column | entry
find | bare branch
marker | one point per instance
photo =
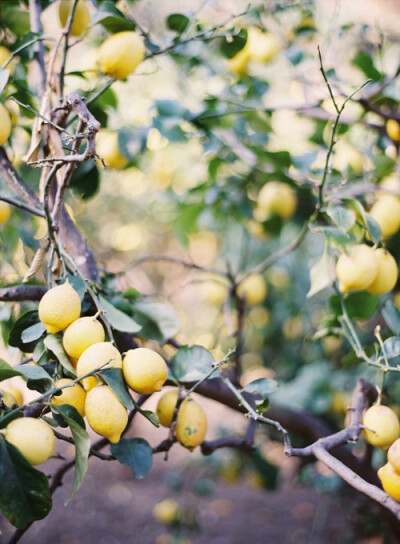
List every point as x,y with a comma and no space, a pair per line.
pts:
35,12
22,206
22,292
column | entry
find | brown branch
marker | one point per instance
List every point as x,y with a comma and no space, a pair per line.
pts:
22,292
22,206
35,12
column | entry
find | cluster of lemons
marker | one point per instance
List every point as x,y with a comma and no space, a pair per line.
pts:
144,372
382,429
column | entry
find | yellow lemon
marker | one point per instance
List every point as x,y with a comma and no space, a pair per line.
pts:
33,437
386,212
382,426
276,198
358,269
11,396
59,307
106,415
166,406
5,54
145,371
5,124
261,46
74,395
166,511
238,63
253,289
214,292
108,149
390,481
81,334
5,211
393,129
81,19
393,455
191,424
95,356
13,110
121,54
386,277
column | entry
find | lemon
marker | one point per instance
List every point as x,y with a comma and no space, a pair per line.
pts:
393,455
276,198
191,424
238,63
121,54
214,292
253,289
386,212
166,406
5,54
261,46
33,437
13,110
393,130
382,426
81,334
96,356
358,269
5,211
390,481
386,277
59,307
5,124
166,511
108,149
81,18
106,415
145,371
74,395
11,396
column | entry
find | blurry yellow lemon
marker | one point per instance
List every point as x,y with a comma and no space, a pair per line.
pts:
81,334
108,149
5,211
13,110
121,54
74,395
390,481
95,356
261,46
386,277
106,415
214,292
81,19
5,54
393,129
253,289
393,455
276,198
145,371
11,396
5,124
166,511
386,211
166,406
358,269
382,426
33,437
191,424
59,307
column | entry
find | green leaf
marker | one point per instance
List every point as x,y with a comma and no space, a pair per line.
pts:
392,347
82,443
159,320
32,333
372,226
85,181
115,379
15,20
177,22
392,317
336,237
234,43
78,284
24,491
117,319
321,274
151,416
191,363
112,18
359,304
24,322
132,142
37,378
7,371
53,342
136,453
342,217
364,62
262,387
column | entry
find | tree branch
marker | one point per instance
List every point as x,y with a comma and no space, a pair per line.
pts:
22,292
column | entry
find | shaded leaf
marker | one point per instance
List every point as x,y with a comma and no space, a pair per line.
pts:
53,342
320,274
117,319
109,16
136,453
37,378
115,379
342,217
177,22
392,317
232,44
191,363
32,333
262,387
159,320
392,347
24,322
7,371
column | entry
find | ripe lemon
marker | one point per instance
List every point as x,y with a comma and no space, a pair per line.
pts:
11,396
74,395
145,371
59,307
386,277
166,511
253,289
214,292
33,437
107,148
5,124
121,54
386,211
276,198
106,415
262,47
382,426
81,19
393,130
358,269
191,424
81,334
5,54
13,110
5,210
390,481
166,406
394,455
96,356
238,64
